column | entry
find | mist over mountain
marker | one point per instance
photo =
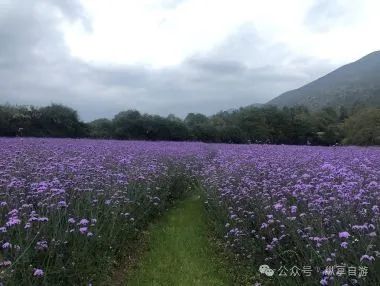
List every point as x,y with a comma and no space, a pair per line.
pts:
354,83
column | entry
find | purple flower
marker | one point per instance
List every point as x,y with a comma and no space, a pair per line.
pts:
41,245
7,245
366,257
83,230
38,273
62,204
324,281
13,221
344,234
344,244
83,221
264,225
277,206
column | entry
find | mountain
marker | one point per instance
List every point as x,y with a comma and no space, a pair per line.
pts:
354,83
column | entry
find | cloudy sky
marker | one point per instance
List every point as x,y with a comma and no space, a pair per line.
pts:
174,56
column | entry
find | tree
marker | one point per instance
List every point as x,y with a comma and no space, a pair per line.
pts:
101,128
58,120
6,115
363,128
128,125
232,134
267,124
196,119
253,123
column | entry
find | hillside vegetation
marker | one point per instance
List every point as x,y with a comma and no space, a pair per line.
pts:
350,85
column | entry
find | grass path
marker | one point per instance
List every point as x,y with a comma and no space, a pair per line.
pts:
179,251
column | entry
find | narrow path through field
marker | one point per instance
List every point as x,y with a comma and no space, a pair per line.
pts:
179,251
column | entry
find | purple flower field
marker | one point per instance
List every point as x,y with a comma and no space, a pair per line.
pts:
295,208
70,208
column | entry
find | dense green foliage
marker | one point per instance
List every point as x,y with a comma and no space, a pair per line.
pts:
50,121
268,124
363,127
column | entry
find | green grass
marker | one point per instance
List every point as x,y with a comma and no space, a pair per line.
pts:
179,251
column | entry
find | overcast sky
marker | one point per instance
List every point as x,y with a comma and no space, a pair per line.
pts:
174,56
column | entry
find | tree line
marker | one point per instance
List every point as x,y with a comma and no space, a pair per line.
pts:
267,124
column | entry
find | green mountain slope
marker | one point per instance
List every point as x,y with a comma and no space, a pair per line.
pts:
357,82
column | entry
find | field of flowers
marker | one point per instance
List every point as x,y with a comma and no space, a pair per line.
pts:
310,213
71,209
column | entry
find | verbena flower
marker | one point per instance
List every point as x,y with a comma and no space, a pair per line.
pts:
366,257
344,244
38,273
83,221
344,234
6,245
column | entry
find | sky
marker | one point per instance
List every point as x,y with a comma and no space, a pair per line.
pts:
174,56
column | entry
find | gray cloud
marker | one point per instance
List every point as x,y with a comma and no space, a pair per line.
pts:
214,66
70,9
36,68
321,13
326,14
